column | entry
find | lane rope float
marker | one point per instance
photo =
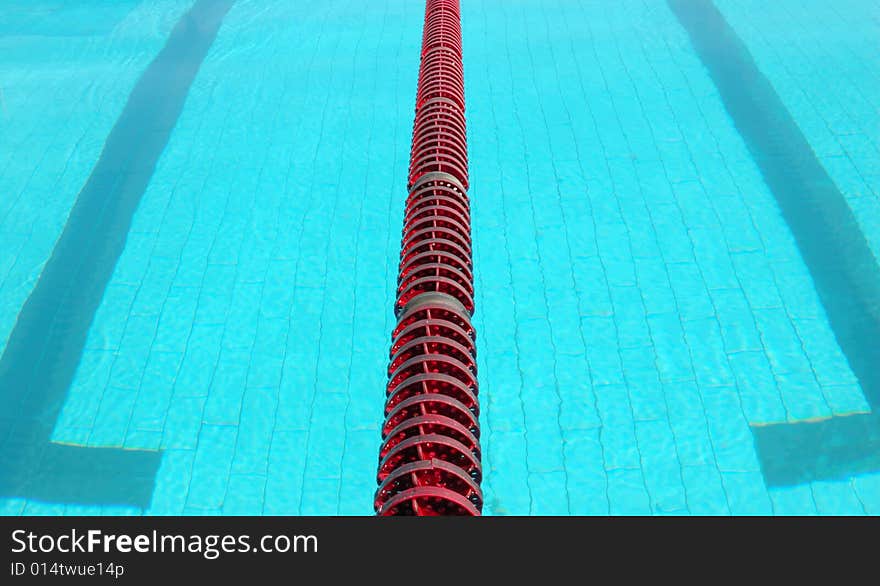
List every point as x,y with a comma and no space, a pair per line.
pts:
429,462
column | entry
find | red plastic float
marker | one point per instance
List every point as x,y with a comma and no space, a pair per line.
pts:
429,462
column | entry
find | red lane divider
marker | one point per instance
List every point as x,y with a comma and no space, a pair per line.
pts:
429,462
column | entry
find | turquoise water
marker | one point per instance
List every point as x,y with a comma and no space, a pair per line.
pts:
645,311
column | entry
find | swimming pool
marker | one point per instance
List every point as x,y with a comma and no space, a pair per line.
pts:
645,313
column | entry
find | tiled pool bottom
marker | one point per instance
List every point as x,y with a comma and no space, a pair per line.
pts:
244,330
641,301
659,304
